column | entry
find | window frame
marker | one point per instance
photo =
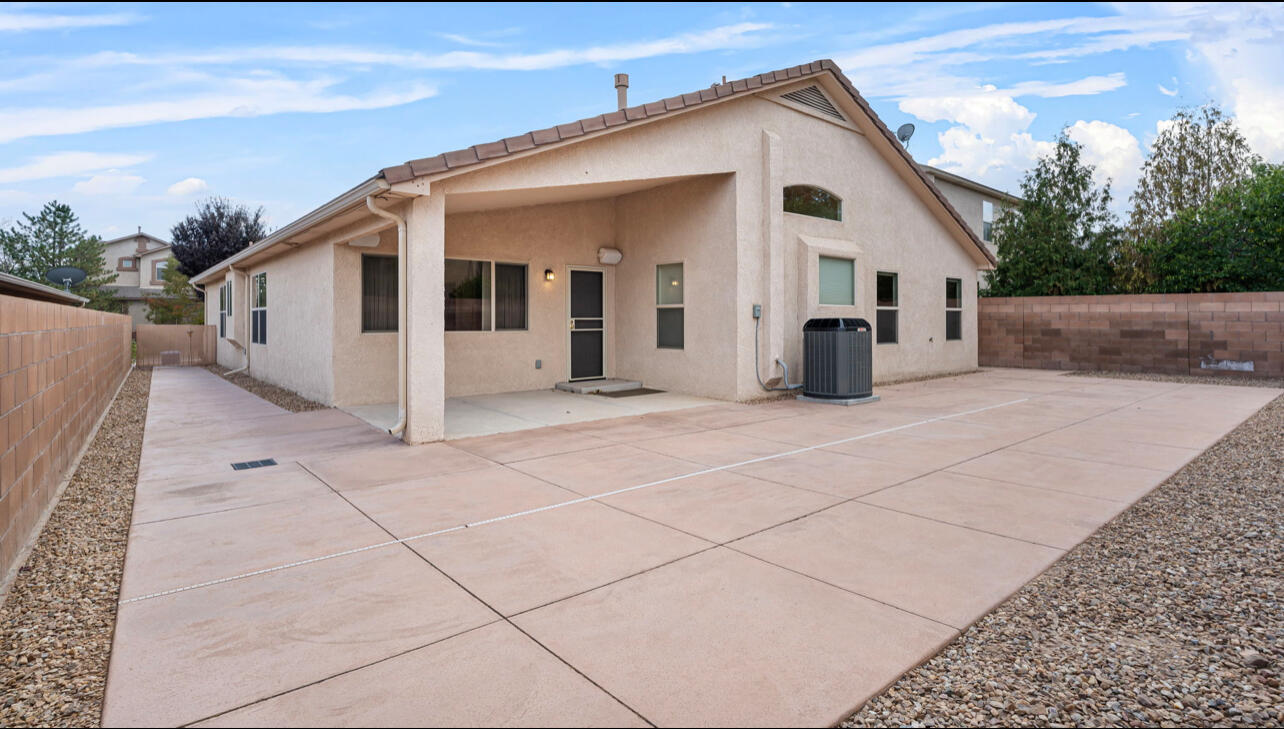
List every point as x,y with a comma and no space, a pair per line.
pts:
894,307
785,202
491,320
396,282
681,306
820,287
955,310
258,308
222,311
987,221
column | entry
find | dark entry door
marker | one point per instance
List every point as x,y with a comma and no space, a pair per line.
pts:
588,326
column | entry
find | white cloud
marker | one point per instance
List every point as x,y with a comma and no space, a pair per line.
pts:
1114,152
68,164
1166,91
111,182
737,35
190,186
989,140
20,22
247,97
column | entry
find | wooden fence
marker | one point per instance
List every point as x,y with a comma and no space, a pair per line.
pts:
175,344
1240,334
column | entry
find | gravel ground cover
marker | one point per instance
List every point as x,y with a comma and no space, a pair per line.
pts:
56,622
1170,615
278,396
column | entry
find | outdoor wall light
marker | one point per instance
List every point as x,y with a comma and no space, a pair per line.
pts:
548,274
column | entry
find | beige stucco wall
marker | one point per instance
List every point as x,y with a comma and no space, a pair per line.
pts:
112,255
365,363
692,222
969,203
543,237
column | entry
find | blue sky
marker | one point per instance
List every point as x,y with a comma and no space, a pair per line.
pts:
132,112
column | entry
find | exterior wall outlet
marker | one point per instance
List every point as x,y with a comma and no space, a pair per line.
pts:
757,311
539,364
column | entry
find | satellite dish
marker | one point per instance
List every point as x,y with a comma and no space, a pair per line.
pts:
904,132
67,276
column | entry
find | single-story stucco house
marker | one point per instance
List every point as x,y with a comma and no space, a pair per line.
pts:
681,243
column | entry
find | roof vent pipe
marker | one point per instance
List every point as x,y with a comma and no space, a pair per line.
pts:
622,90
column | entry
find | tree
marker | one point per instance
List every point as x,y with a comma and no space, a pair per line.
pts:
1196,154
179,303
1062,239
1232,242
53,238
218,229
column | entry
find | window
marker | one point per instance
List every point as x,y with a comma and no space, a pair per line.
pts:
126,263
258,309
987,220
510,296
158,271
837,281
886,308
378,293
474,305
813,201
669,306
222,311
953,308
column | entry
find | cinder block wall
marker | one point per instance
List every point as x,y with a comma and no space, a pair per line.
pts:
1213,334
59,368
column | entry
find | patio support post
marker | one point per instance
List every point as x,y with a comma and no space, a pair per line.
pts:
425,315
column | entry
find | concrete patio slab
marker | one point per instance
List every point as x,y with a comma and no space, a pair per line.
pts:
360,470
188,656
844,566
1109,481
238,489
832,473
721,506
524,685
419,506
1039,516
944,572
168,554
519,564
723,639
600,470
524,445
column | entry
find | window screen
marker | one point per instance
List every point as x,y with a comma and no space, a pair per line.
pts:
953,308
510,296
837,281
378,294
887,308
258,309
669,312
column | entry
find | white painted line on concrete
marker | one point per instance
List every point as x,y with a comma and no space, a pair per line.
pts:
571,502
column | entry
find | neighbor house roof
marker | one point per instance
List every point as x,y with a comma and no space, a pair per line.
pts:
450,162
970,184
140,234
11,285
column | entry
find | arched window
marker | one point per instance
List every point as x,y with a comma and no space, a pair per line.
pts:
813,201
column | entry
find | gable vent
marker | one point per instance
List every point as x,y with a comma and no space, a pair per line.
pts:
814,98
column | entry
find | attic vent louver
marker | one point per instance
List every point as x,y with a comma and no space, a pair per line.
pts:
812,97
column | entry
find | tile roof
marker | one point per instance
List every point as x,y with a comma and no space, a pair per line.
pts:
476,154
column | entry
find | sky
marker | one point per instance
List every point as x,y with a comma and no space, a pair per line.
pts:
131,113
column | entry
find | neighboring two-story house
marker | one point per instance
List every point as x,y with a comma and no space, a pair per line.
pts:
976,203
138,260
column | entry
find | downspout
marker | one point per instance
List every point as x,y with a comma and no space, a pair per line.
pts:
402,364
244,345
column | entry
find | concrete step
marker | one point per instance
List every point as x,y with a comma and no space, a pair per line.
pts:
606,384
